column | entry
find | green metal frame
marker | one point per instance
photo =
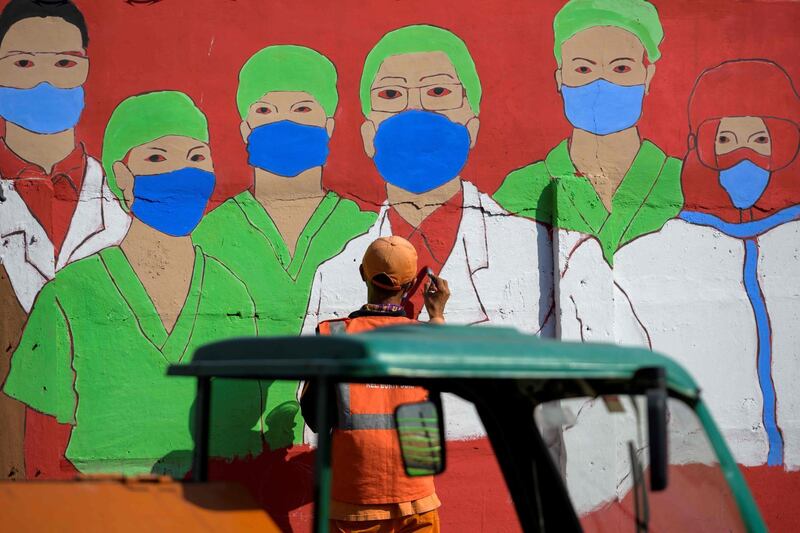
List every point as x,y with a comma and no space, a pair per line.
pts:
741,492
435,354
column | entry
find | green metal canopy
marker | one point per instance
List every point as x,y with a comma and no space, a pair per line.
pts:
429,352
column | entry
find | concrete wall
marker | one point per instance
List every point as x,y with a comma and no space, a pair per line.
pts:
180,172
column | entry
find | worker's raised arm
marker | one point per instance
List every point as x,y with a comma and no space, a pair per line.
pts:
436,294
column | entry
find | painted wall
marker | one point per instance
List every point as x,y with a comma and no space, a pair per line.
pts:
178,172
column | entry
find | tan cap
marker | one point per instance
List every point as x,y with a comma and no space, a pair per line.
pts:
393,257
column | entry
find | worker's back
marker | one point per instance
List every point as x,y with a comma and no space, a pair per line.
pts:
367,467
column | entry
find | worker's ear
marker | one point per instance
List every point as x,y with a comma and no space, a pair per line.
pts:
559,80
361,271
329,124
124,179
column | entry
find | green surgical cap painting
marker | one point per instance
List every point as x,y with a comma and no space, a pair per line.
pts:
144,118
287,68
418,39
636,16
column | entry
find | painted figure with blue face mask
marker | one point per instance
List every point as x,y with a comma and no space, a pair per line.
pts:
604,174
730,260
276,236
155,297
602,189
57,207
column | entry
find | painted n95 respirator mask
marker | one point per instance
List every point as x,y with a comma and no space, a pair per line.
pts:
44,109
602,107
173,202
420,150
287,148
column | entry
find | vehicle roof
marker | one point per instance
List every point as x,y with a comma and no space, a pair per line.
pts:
431,352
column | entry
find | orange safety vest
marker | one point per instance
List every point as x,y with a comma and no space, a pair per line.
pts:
366,463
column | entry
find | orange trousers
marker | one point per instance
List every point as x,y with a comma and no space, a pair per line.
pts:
416,523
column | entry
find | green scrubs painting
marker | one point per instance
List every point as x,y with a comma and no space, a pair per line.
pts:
95,351
604,180
275,238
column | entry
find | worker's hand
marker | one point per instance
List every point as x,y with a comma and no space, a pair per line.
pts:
436,294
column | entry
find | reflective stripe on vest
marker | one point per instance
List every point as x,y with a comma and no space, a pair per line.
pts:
337,327
374,455
350,421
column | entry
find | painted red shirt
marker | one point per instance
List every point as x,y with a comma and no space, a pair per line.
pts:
51,197
433,239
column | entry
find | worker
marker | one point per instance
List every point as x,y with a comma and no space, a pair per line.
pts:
275,237
96,348
604,180
370,489
420,96
56,205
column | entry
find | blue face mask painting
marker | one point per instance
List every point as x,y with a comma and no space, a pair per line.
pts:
419,150
287,148
43,109
173,202
602,107
744,182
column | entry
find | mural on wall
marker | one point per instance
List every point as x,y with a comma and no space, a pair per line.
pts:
111,271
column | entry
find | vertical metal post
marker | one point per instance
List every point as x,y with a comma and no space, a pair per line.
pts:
202,417
322,477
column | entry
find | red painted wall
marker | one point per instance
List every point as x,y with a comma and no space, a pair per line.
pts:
198,46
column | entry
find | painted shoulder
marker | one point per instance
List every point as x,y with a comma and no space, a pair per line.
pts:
356,220
524,192
225,212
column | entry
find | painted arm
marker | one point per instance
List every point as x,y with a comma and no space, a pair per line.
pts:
41,372
25,278
41,376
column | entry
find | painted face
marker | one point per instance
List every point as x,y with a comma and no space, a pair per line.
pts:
287,133
43,67
169,153
742,148
167,183
603,79
38,50
734,133
298,107
423,82
421,126
606,52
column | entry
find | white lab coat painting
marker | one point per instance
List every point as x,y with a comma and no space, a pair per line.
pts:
28,254
725,305
499,272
